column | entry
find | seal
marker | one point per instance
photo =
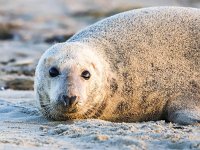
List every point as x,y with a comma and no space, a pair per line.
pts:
139,65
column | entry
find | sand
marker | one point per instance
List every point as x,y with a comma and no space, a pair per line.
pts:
23,127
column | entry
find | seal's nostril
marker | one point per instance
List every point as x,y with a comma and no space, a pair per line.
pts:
66,100
72,99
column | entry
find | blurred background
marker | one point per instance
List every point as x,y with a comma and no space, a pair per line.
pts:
29,27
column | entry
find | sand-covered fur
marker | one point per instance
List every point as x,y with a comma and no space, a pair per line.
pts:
144,65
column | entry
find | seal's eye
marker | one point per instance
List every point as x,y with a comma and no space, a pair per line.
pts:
53,72
86,75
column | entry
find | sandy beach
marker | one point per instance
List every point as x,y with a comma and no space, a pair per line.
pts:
27,29
22,127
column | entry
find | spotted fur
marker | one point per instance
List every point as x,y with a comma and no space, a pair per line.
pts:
148,66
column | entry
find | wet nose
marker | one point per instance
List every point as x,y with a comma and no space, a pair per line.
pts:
66,100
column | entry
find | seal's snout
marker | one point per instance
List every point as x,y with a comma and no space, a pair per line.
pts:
66,100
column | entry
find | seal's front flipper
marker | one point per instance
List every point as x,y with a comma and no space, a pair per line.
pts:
184,109
185,117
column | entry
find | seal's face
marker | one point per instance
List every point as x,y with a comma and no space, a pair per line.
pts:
69,82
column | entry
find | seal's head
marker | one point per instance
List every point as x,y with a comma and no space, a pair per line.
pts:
70,81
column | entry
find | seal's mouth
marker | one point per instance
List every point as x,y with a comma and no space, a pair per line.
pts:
72,110
66,109
57,112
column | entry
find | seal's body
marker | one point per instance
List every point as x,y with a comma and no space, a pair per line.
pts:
138,65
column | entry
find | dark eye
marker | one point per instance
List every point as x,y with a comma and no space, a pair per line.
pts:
86,75
53,72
